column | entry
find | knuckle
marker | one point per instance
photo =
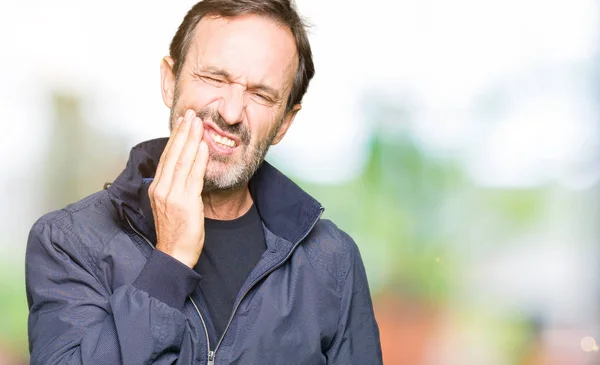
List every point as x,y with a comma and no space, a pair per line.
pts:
179,165
159,195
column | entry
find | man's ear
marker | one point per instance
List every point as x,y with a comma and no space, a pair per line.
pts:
286,124
167,81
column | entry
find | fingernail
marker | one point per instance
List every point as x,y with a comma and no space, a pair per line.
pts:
190,113
178,121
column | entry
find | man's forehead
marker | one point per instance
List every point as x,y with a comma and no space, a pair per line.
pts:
249,48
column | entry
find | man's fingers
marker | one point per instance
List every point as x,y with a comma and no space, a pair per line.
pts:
171,155
195,180
187,156
160,161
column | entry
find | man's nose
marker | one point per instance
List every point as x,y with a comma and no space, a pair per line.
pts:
231,106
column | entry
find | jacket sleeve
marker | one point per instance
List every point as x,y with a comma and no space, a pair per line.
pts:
357,338
74,319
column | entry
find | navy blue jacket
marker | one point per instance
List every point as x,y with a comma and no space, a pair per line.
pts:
99,293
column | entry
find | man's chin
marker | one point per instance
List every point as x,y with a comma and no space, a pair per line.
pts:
211,186
217,171
221,178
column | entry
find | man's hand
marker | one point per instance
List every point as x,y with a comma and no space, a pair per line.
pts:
176,192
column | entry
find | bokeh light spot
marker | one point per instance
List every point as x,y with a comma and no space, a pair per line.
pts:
588,344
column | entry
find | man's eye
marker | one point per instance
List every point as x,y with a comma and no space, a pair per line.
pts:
213,81
262,97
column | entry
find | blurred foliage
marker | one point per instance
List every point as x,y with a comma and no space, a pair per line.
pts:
395,212
520,208
412,214
13,307
417,218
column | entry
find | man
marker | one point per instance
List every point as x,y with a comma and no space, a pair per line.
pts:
200,252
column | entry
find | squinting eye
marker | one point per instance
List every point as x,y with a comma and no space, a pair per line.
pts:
213,81
262,97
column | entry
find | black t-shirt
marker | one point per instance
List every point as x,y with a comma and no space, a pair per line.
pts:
231,250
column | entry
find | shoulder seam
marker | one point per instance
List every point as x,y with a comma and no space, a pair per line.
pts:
85,202
312,265
59,220
340,274
74,243
348,258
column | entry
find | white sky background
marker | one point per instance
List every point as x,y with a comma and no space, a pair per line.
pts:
441,56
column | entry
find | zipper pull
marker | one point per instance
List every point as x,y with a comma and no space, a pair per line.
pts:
211,358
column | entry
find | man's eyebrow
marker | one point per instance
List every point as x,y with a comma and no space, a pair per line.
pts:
215,71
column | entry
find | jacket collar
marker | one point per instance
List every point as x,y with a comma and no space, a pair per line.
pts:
286,210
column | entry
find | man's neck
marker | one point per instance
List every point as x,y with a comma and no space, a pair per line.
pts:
227,205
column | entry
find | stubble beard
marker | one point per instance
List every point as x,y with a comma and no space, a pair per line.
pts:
228,173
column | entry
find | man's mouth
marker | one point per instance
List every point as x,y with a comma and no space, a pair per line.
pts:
222,140
218,141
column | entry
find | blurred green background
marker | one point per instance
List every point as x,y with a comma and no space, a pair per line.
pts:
456,142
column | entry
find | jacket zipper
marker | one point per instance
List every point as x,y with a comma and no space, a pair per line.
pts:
256,281
211,354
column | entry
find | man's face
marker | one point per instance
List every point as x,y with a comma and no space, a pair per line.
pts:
237,76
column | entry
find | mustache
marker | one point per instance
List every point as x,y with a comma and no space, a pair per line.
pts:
239,130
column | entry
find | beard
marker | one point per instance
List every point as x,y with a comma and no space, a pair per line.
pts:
232,172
